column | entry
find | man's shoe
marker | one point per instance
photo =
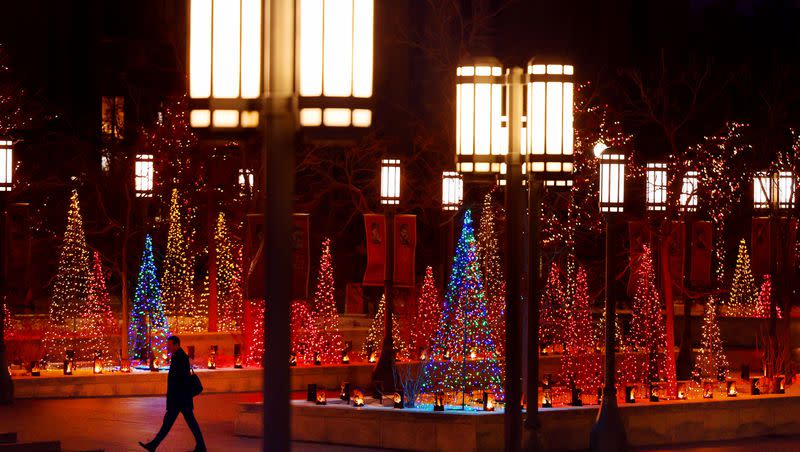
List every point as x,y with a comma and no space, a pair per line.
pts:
200,449
148,446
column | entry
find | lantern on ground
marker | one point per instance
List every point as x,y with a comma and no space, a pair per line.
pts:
550,134
373,356
144,175
397,400
293,359
317,359
335,54
488,401
322,399
69,362
225,67
452,190
438,402
547,400
98,364
6,165
656,187
780,385
682,390
390,182
36,369
311,392
212,357
654,388
689,188
237,356
358,398
755,389
630,394
345,357
730,388
708,390
481,137
612,181
344,393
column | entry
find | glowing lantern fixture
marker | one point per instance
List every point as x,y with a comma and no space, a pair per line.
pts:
550,139
225,68
237,356
630,394
481,136
774,191
6,165
390,181
656,187
612,181
98,364
452,190
335,40
212,357
143,175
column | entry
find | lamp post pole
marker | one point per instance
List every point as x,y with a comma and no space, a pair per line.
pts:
532,424
514,263
385,369
279,112
608,433
6,384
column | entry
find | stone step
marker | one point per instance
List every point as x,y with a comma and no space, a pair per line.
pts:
34,446
8,438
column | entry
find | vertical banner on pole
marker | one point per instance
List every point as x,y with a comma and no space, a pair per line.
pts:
639,236
254,257
760,246
405,244
375,228
702,236
301,264
677,239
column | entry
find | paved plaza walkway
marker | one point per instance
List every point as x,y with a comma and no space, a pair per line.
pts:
117,423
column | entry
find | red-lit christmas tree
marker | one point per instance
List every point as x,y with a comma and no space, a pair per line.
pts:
426,321
70,291
255,337
551,310
580,365
711,362
648,330
229,278
303,331
491,267
764,300
329,341
374,341
100,320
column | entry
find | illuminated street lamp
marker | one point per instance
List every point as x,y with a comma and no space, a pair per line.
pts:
481,137
774,190
689,188
6,184
608,432
452,190
143,175
385,370
656,187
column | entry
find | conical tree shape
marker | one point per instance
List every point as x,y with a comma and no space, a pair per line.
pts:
148,329
492,270
463,356
70,291
711,362
329,340
648,330
303,332
580,365
765,299
374,341
743,295
178,276
426,321
229,278
551,309
100,322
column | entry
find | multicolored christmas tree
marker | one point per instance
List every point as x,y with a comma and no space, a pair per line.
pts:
648,329
229,278
580,364
374,341
65,326
464,357
743,295
329,341
148,329
178,279
551,310
303,331
426,321
100,320
492,270
762,309
711,362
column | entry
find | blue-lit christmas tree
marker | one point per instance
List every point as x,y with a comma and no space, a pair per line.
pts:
463,355
148,328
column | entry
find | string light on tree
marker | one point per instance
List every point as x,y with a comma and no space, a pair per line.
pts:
304,334
764,300
463,356
743,295
70,291
178,276
551,308
329,340
580,365
255,350
148,329
648,330
374,341
491,268
229,277
711,362
426,321
100,320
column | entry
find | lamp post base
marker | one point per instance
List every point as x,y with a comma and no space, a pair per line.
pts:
532,437
608,432
6,384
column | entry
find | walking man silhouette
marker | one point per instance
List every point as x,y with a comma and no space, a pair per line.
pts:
179,398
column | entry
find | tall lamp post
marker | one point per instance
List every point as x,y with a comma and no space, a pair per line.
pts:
6,183
608,432
390,199
452,198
